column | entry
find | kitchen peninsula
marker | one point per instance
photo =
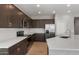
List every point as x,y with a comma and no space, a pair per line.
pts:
18,45
10,44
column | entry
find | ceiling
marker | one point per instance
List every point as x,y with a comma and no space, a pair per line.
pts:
46,10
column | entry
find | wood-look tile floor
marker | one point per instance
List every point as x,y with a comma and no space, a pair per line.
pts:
38,48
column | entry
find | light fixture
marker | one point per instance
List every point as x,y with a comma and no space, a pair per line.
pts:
54,12
69,11
38,5
39,12
68,5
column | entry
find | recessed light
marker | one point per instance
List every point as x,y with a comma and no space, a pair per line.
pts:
39,12
38,5
68,5
69,11
54,12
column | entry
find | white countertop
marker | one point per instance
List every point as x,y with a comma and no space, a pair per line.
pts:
8,35
58,43
10,42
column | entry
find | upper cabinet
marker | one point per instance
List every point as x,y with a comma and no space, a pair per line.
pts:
3,16
12,17
40,23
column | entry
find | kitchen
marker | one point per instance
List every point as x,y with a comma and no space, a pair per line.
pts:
18,31
39,29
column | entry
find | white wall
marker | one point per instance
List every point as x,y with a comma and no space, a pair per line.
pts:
10,33
63,23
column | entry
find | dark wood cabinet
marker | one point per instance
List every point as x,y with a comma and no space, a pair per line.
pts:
19,48
27,22
12,17
18,18
22,47
40,23
39,37
3,16
30,23
31,39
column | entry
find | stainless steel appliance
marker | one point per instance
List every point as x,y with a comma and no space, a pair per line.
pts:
20,33
49,30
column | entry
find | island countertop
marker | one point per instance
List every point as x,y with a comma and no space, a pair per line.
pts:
63,46
58,43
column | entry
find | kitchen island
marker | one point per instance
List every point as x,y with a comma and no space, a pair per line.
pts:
63,46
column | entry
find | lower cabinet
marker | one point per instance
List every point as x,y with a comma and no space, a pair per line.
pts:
30,41
19,48
40,37
23,46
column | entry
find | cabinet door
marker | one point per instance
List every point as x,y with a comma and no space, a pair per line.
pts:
26,22
19,48
14,50
24,46
15,17
3,16
12,16
39,37
36,24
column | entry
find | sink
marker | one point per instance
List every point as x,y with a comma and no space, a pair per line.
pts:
64,37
